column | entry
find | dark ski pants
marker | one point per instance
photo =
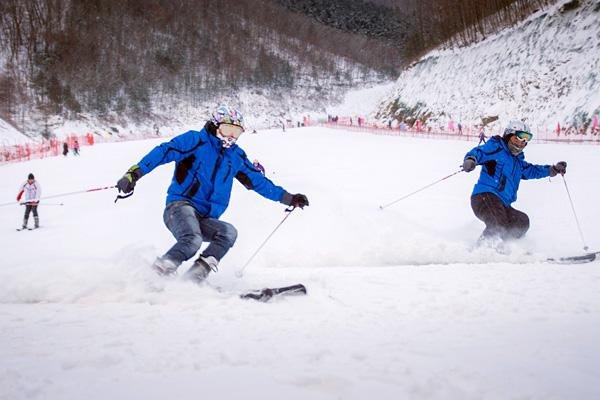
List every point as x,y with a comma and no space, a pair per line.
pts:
191,229
29,208
500,220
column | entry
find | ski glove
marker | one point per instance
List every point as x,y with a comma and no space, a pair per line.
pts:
559,168
294,200
469,164
127,182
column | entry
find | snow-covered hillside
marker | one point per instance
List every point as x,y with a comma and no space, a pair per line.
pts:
544,70
83,317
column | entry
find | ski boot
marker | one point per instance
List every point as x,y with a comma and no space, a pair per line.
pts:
37,222
165,266
25,220
201,268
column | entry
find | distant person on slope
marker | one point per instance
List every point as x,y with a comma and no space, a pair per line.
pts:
258,166
482,137
29,195
503,167
206,162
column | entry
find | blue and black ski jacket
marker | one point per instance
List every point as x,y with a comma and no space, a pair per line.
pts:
204,172
502,172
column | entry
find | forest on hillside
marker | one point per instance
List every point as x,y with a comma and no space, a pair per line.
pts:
62,57
72,55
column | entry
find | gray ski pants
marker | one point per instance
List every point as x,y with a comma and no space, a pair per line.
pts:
191,229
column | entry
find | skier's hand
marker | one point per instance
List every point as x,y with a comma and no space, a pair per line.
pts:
469,164
127,182
299,200
559,168
294,200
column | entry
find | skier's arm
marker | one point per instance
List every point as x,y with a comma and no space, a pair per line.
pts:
177,149
533,171
485,153
252,179
21,191
38,192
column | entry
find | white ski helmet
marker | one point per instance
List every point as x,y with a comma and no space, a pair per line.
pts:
515,126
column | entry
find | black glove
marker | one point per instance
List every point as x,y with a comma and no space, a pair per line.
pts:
469,164
295,200
559,168
127,182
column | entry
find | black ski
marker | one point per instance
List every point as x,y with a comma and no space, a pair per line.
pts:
586,258
267,294
24,229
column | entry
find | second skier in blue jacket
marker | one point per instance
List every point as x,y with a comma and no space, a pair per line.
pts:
206,162
503,166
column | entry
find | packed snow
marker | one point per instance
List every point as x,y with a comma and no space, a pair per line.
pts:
400,304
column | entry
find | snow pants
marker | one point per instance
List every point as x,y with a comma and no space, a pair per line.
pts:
29,208
501,221
191,229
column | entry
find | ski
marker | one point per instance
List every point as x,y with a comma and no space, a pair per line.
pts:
586,258
24,229
267,294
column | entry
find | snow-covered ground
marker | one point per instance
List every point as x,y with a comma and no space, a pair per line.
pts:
543,70
398,305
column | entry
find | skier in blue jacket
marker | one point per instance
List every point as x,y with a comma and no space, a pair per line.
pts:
503,166
206,162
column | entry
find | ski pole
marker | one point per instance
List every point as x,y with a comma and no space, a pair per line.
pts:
585,247
65,194
423,188
78,192
239,273
47,204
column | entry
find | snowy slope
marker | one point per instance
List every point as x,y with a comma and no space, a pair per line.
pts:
10,136
544,70
81,315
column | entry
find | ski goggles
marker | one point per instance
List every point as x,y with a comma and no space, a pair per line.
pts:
523,136
230,130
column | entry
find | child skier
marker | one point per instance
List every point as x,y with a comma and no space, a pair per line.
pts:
206,162
504,166
29,195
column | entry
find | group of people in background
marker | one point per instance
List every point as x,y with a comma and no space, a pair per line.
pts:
75,148
592,127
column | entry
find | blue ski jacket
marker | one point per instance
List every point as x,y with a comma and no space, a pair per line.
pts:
502,172
204,172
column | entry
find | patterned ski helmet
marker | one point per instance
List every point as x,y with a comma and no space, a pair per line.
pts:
228,115
515,126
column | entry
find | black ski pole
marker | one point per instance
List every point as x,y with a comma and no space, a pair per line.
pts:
423,188
585,247
239,273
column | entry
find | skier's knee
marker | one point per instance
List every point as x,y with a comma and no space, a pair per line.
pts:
229,234
191,244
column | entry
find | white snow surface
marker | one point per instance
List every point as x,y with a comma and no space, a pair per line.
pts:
543,70
399,305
